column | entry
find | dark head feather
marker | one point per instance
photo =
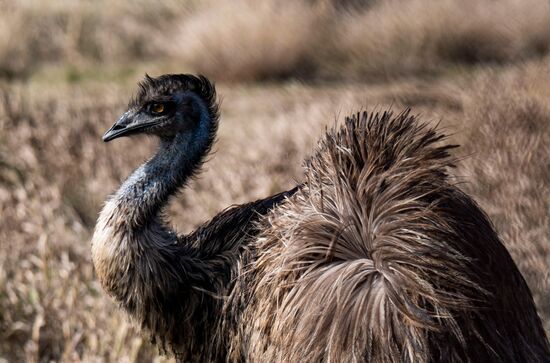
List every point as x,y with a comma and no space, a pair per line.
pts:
162,87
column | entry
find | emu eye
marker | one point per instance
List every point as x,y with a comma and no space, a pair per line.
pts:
157,108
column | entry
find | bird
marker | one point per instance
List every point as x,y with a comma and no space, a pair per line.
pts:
377,255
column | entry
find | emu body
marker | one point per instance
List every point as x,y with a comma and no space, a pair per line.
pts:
377,257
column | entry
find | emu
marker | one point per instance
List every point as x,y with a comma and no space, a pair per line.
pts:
378,256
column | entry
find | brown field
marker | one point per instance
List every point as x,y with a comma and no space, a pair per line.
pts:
286,69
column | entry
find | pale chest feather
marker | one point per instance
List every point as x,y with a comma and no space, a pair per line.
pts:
108,244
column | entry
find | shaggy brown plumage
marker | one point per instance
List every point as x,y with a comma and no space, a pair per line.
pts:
379,257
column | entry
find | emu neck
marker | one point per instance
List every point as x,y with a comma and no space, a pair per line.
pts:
148,189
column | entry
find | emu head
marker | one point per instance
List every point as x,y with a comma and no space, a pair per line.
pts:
169,105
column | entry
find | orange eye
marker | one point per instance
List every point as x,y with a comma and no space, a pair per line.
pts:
157,108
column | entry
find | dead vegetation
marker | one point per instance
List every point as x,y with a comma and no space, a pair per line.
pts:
246,40
55,172
509,170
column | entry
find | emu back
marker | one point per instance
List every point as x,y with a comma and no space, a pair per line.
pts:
382,258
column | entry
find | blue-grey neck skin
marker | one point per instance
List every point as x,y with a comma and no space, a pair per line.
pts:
149,187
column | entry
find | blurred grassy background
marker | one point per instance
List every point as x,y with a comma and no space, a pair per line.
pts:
285,69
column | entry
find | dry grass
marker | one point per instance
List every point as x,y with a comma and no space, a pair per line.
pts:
81,33
421,36
247,40
509,171
55,172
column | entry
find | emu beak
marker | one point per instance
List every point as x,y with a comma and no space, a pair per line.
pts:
120,128
127,125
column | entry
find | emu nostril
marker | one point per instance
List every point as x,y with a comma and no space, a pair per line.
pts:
118,127
121,127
